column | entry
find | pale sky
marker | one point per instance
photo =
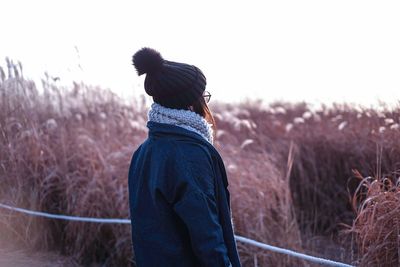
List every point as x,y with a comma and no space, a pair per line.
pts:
290,50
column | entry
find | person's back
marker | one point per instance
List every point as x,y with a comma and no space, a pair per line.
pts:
179,202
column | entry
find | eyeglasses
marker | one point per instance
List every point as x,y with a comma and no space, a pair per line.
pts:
207,96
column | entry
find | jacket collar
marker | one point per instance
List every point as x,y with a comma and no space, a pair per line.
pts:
164,129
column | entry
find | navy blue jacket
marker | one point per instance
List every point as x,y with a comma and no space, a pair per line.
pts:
179,201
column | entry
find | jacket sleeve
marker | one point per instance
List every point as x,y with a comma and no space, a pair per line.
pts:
196,206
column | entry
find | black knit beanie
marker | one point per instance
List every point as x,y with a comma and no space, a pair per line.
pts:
171,84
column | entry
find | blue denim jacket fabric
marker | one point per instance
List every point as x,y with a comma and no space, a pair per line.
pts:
179,201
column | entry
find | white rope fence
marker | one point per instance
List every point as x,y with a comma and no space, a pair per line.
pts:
290,252
127,221
66,217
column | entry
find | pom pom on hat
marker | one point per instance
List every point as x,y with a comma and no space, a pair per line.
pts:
147,60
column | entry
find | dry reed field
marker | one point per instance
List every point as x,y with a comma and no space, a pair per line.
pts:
322,182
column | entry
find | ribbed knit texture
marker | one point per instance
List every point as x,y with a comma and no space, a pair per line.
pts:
183,118
176,85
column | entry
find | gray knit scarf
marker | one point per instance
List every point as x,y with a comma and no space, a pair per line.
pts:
183,118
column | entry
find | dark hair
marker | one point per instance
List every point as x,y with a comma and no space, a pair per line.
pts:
200,107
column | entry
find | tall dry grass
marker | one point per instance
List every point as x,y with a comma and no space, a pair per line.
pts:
262,207
330,143
376,229
67,151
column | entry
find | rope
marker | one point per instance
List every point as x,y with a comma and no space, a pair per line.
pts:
127,221
65,217
291,252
